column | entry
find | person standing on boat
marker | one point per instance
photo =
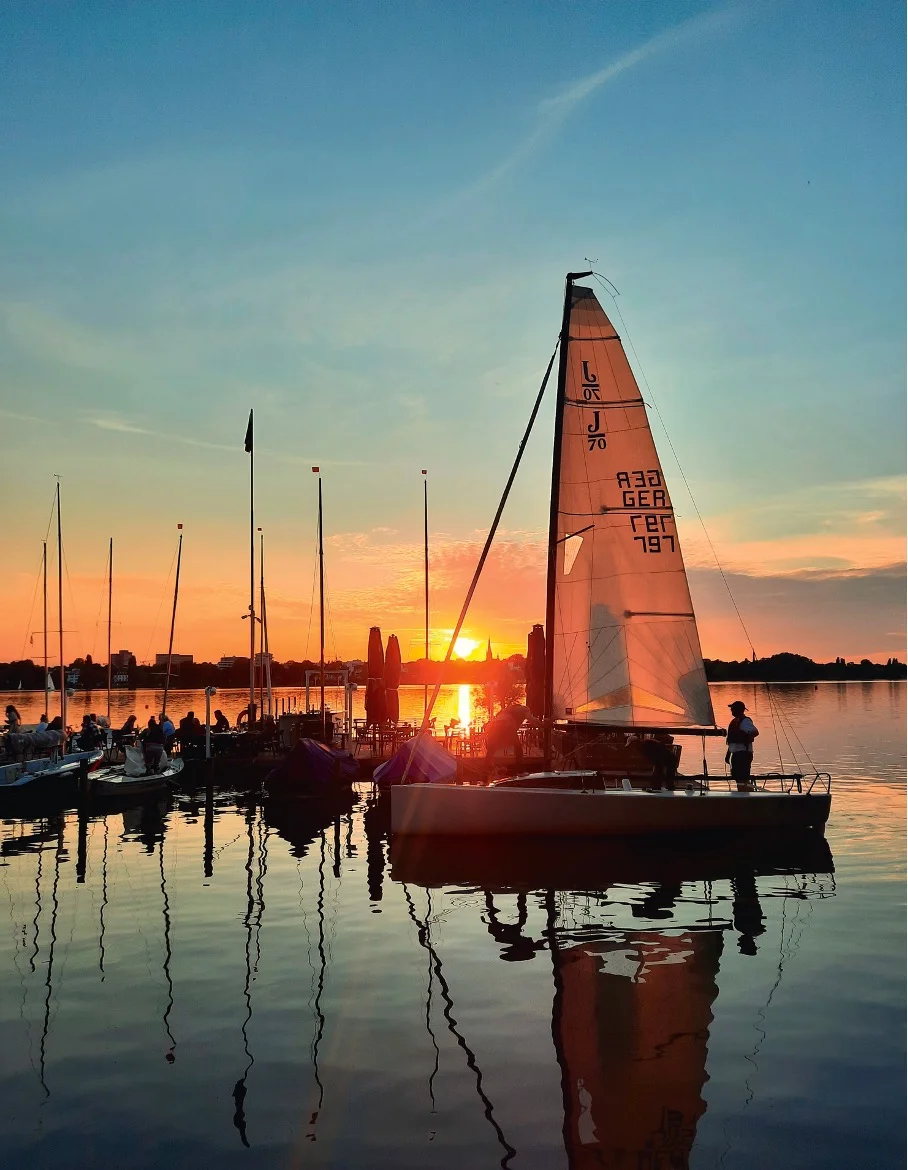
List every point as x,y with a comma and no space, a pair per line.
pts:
740,739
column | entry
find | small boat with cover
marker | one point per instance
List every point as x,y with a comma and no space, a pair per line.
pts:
623,664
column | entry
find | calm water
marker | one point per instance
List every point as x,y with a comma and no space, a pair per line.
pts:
453,701
230,985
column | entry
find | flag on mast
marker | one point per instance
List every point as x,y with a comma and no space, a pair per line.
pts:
248,443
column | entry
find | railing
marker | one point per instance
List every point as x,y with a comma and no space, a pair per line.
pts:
787,782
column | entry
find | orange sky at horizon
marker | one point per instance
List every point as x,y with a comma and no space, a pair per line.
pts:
376,578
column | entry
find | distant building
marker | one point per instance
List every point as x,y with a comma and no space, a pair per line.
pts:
120,660
267,658
175,659
489,657
228,662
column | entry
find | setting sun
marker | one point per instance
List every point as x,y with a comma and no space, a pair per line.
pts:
464,647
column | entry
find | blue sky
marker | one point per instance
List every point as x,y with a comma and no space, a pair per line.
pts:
357,217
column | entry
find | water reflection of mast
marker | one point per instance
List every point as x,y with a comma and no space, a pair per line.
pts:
34,954
425,941
170,1056
320,987
252,923
50,956
103,903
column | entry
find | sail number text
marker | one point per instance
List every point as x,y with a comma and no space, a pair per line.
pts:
645,490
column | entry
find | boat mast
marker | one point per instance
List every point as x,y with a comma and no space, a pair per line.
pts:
46,691
553,516
425,497
173,618
109,622
60,617
321,610
261,624
249,446
267,659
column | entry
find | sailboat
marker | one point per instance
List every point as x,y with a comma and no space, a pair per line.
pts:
622,653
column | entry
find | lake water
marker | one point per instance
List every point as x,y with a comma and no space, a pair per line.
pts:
187,985
453,702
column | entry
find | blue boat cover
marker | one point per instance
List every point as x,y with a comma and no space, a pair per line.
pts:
431,764
312,768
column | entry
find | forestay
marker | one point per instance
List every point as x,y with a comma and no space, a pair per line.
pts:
625,646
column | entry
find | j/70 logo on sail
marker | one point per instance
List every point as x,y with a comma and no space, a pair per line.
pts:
594,434
589,384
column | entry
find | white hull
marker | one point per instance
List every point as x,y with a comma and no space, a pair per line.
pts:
452,810
115,782
41,772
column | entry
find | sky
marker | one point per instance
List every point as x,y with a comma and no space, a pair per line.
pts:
356,219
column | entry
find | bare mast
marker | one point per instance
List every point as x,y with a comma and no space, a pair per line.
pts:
46,691
173,618
425,513
321,612
109,623
261,624
60,616
249,447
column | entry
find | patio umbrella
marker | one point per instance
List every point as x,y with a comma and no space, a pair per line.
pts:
392,678
535,671
376,707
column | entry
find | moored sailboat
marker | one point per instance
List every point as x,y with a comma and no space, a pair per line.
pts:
623,663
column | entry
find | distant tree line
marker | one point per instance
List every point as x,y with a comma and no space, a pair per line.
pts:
194,675
797,668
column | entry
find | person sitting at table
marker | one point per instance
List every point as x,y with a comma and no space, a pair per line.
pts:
221,722
129,727
13,719
42,724
90,736
169,731
187,732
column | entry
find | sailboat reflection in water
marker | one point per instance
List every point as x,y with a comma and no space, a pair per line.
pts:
631,1008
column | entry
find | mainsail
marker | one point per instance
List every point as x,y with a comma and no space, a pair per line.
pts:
625,646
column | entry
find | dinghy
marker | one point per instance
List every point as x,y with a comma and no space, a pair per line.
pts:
623,665
132,779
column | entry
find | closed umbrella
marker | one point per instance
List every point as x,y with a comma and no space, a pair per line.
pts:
535,671
392,678
376,707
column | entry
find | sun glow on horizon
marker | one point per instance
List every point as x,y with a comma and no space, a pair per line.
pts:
464,647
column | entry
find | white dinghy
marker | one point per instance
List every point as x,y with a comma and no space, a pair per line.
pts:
134,778
623,664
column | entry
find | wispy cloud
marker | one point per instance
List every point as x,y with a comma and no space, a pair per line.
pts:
552,112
